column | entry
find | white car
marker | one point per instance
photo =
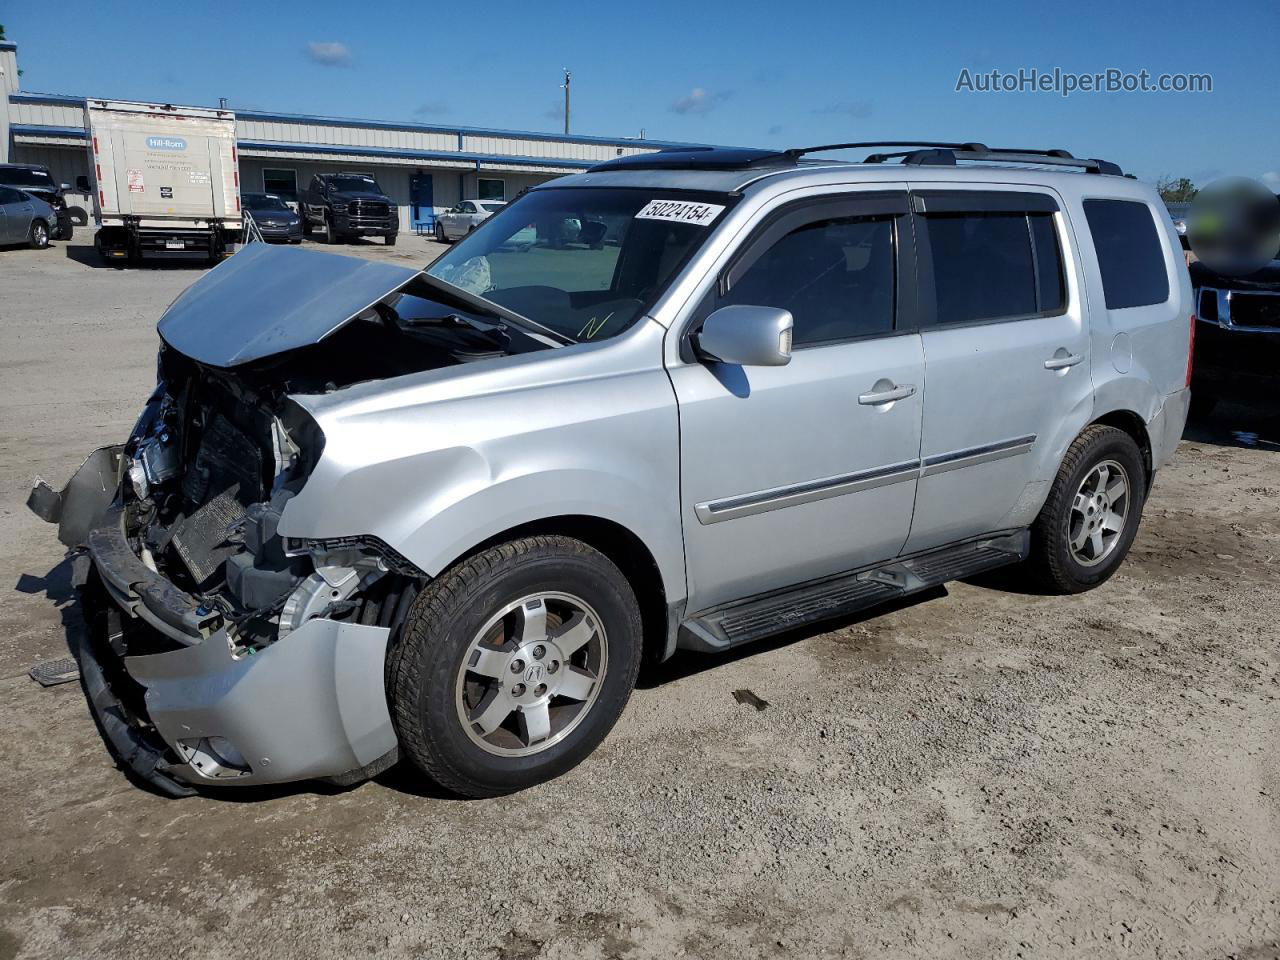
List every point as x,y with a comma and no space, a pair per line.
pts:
463,217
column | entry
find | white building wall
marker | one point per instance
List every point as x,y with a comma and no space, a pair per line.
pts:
449,185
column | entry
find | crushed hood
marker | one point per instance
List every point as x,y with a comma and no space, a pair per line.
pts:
266,300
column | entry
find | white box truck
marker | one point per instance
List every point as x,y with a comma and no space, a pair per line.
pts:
166,180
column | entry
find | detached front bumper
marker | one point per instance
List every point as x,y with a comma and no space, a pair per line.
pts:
182,707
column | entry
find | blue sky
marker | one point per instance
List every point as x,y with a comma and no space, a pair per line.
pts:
739,73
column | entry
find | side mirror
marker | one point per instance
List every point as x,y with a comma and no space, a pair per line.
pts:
82,183
746,335
65,186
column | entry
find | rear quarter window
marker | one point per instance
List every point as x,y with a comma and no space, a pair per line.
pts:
1130,257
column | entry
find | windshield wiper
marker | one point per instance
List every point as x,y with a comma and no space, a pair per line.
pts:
469,300
498,327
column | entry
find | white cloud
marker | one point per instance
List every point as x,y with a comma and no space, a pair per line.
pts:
329,54
699,100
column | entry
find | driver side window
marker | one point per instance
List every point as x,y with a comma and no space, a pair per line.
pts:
836,276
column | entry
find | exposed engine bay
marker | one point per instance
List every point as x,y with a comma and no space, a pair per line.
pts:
218,453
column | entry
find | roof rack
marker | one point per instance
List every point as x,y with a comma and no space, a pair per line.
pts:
699,158
932,153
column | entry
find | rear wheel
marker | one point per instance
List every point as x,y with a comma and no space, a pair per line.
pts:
514,665
1089,521
38,236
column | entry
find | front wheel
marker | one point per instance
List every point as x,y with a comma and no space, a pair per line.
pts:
1089,521
440,237
330,234
514,665
38,236
390,240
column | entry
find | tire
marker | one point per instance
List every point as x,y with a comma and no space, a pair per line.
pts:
390,240
431,686
330,234
38,235
306,226
66,230
1059,561
440,237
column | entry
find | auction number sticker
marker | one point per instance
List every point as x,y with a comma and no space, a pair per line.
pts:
681,211
136,184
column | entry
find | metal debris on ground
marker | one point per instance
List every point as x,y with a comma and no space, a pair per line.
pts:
746,696
50,673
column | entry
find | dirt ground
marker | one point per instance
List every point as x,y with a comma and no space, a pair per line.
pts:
982,773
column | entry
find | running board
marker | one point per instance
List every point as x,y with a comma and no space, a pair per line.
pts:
758,617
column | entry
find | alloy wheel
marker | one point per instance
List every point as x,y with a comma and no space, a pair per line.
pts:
531,674
1098,513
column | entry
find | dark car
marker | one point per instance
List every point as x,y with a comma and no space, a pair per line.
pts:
275,219
1238,334
35,180
348,205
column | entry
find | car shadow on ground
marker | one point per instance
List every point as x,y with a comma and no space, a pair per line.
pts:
689,664
1240,419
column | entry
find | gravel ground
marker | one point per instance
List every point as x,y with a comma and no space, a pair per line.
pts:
981,773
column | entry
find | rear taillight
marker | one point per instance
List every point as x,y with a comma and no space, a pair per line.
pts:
102,198
1191,348
95,146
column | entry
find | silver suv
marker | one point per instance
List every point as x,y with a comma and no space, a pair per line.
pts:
680,402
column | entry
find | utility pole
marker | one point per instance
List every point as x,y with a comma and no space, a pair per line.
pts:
567,77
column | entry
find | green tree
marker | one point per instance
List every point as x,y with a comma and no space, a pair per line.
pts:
1181,190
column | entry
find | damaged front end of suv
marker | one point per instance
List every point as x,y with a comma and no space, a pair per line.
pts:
221,649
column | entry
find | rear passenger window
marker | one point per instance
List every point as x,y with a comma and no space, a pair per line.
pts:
835,276
1130,257
995,266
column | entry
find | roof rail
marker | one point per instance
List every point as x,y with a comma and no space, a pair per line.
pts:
930,153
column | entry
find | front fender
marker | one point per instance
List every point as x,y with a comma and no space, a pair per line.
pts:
486,513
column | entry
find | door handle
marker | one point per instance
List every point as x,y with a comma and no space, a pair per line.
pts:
1062,363
878,397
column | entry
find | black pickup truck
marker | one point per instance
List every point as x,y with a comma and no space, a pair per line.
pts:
348,205
36,180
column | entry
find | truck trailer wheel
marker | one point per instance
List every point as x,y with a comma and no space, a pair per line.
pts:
1089,521
511,667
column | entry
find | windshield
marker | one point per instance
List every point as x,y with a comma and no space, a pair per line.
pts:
355,185
586,262
265,203
21,177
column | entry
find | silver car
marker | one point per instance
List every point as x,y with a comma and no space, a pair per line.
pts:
373,514
463,217
25,219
